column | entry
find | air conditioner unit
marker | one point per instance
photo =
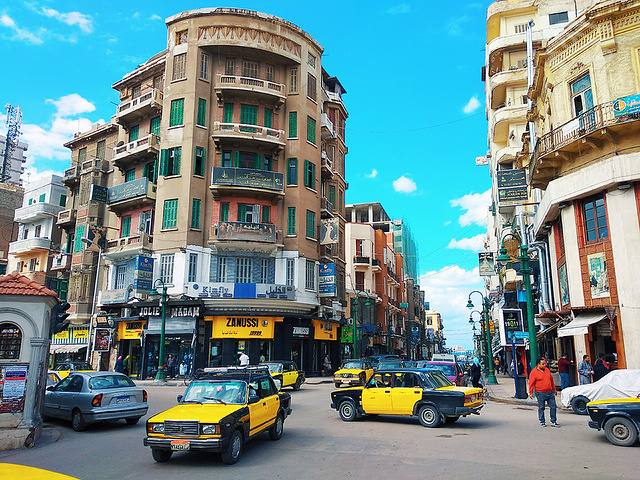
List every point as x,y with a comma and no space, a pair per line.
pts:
323,155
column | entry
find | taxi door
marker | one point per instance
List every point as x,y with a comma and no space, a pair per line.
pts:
263,412
405,393
288,375
376,396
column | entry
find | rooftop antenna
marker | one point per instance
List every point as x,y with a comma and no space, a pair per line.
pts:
14,120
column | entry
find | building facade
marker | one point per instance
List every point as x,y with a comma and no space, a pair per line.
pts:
17,161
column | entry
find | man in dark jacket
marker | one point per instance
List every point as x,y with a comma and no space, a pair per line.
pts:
600,368
475,372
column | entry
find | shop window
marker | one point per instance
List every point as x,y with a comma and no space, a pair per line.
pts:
595,219
10,341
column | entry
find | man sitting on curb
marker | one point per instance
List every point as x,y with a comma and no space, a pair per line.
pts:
542,381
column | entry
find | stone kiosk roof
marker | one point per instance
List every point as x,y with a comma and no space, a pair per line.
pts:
16,284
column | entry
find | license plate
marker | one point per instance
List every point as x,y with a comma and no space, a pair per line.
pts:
180,444
346,381
123,400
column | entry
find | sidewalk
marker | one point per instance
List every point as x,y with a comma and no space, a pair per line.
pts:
505,392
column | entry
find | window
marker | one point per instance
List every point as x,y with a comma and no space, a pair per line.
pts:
69,247
155,126
126,226
79,234
10,341
311,130
250,69
293,124
248,213
32,265
311,224
595,219
225,159
181,37
243,270
63,200
224,212
222,269
166,268
264,271
195,213
268,117
332,195
100,149
290,271
311,87
193,267
176,117
158,82
145,222
179,67
293,80
310,275
311,60
170,214
130,175
170,161
82,155
135,91
266,214
292,171
204,66
581,95
269,73
202,112
521,28
309,174
228,114
198,164
291,221
340,200
248,116
121,273
133,133
230,66
37,232
560,17
267,163
42,198
149,171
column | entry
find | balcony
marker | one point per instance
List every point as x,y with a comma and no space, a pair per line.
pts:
360,262
576,137
326,164
328,130
61,262
228,180
393,276
234,83
36,211
249,134
326,207
135,194
66,218
130,246
376,265
503,118
71,176
22,246
147,104
245,232
127,154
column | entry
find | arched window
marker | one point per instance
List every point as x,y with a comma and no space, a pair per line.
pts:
10,341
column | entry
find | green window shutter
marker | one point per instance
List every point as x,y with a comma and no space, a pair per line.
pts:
155,126
248,116
177,153
198,165
266,214
176,116
236,159
242,212
130,175
293,124
163,161
42,198
340,200
268,117
332,194
292,171
311,224
155,170
195,213
133,133
306,173
228,113
313,175
311,130
63,200
126,226
170,214
224,212
202,112
256,161
291,221
145,170
79,234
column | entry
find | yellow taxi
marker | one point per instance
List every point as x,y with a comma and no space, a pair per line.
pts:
64,369
353,372
286,373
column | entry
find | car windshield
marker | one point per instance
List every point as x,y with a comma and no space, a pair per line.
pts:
104,382
353,366
233,392
438,379
395,364
74,366
449,370
274,367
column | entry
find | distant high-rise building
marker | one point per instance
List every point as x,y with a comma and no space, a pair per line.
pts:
18,160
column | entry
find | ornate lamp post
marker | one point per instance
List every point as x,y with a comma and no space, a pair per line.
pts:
161,375
355,317
92,245
479,341
491,376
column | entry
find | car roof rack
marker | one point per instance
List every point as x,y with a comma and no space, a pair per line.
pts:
244,373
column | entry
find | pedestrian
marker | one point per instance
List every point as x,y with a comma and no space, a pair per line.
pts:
244,359
119,366
171,366
585,370
326,366
541,380
496,364
563,370
125,365
600,368
476,372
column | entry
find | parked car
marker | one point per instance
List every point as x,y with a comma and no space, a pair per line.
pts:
353,372
53,378
91,397
618,417
452,370
286,373
622,383
219,412
64,369
427,394
375,359
387,364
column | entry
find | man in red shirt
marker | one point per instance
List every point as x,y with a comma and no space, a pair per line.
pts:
541,380
563,370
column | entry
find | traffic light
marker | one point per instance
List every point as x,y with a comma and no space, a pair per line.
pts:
58,316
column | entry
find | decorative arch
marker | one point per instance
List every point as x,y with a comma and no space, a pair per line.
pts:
10,340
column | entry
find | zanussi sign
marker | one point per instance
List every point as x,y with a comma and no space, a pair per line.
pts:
242,327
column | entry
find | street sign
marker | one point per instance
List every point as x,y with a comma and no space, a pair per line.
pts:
519,334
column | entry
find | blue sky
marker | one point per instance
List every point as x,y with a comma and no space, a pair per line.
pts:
414,96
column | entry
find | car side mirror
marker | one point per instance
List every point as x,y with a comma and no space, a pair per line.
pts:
253,397
51,388
179,398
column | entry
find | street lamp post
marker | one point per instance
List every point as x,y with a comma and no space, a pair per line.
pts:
479,338
161,375
355,319
91,243
503,258
491,376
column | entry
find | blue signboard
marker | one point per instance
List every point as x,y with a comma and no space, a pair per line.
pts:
327,280
626,106
143,273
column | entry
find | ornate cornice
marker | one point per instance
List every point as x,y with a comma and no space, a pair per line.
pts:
235,33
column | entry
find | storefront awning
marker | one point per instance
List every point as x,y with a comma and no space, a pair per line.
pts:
549,329
580,325
67,348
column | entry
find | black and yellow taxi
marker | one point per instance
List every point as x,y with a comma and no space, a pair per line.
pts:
219,412
286,373
618,417
427,394
353,372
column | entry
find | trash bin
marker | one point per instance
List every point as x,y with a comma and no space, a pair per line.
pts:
522,386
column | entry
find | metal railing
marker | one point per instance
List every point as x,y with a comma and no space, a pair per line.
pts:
250,83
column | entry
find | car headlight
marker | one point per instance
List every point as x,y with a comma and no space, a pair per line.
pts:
155,428
209,429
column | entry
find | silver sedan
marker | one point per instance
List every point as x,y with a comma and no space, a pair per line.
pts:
91,397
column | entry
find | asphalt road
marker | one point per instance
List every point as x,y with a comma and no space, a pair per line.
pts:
504,441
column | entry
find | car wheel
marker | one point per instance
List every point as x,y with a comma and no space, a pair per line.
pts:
337,384
347,410
579,405
275,432
231,454
448,420
161,455
132,421
621,431
77,422
297,385
429,416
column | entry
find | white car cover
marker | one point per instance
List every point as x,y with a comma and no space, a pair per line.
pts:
616,384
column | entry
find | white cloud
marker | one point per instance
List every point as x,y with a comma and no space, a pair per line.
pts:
373,173
155,17
472,105
71,105
399,9
404,185
20,33
85,22
476,206
455,26
474,243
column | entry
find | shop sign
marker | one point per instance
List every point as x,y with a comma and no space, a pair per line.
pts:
324,330
626,106
130,330
15,380
301,332
241,290
102,340
63,335
327,280
242,327
171,311
113,296
510,320
81,333
347,334
143,273
329,231
485,264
